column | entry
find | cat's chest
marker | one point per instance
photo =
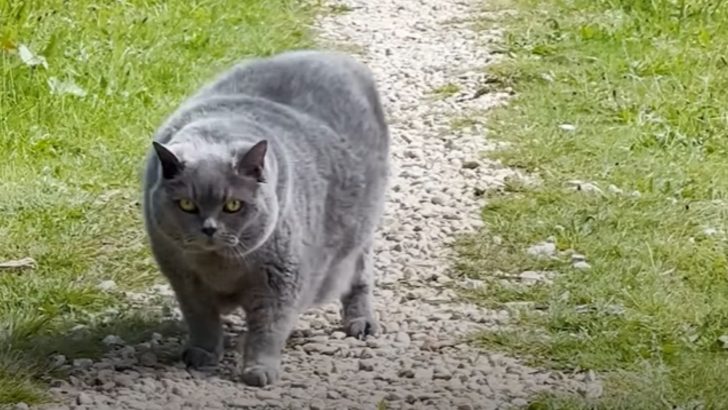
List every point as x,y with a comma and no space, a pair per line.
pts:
220,274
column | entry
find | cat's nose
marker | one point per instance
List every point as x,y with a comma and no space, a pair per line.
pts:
209,230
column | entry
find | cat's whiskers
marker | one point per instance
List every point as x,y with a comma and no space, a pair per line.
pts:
236,253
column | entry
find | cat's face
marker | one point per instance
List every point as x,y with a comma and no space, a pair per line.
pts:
211,203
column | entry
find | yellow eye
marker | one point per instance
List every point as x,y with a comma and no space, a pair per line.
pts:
187,205
232,206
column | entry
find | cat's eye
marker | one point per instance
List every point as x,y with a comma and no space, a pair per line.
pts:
187,205
232,206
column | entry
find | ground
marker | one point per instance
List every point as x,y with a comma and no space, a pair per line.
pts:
593,277
613,249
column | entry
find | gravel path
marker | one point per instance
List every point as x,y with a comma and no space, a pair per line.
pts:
413,47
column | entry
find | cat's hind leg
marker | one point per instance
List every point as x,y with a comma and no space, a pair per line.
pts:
358,310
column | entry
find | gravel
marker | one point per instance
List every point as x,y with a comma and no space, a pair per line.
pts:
420,360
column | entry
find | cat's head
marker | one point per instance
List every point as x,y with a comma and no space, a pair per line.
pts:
213,198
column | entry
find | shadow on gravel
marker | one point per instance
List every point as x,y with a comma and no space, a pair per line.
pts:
52,354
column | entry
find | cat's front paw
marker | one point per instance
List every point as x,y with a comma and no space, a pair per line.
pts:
361,327
199,359
259,375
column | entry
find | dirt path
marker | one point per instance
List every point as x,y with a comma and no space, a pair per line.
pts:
413,47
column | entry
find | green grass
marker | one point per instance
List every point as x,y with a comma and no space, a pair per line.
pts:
70,167
644,84
447,90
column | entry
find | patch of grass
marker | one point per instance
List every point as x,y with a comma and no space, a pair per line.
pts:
459,123
71,161
447,90
643,85
339,8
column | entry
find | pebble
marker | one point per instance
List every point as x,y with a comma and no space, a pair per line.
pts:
403,339
542,250
531,277
113,340
268,394
84,399
147,359
366,365
83,363
406,373
320,348
107,286
58,360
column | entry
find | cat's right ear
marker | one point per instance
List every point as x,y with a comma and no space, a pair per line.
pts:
252,162
171,165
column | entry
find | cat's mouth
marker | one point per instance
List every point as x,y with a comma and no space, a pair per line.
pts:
216,245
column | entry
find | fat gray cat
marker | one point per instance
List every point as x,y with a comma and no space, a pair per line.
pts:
263,191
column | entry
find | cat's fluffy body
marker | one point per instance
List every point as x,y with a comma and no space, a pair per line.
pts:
300,141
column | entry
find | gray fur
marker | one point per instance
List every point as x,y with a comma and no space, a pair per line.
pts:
312,195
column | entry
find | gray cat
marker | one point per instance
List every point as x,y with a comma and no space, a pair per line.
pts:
263,191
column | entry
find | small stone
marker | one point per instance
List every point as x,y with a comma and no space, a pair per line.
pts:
107,286
423,374
724,340
568,127
470,164
581,265
83,363
320,348
710,231
21,406
58,360
84,399
333,395
156,338
317,405
243,403
274,394
430,344
113,340
393,396
373,343
78,328
148,359
437,200
542,250
411,154
441,373
127,352
465,406
338,335
403,338
366,365
615,189
531,277
519,402
583,186
406,373
366,354
577,257
591,390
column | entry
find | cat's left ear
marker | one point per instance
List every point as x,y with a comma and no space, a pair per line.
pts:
252,162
